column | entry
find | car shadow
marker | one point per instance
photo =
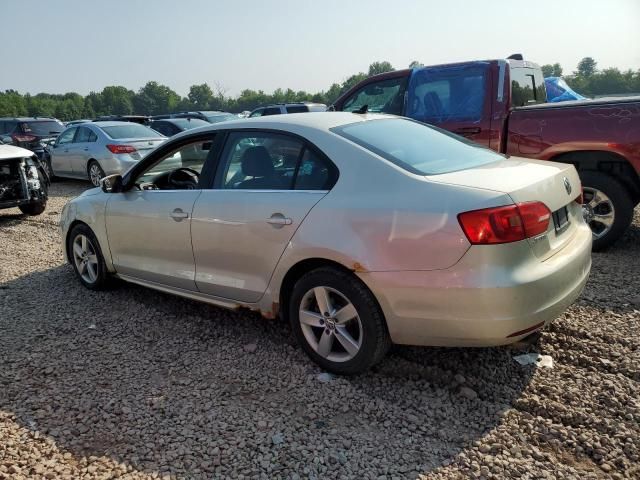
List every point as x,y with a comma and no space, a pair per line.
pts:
156,383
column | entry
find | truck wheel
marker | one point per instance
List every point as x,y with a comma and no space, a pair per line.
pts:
33,208
608,208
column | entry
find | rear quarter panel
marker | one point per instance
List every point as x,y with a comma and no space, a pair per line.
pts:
546,132
378,217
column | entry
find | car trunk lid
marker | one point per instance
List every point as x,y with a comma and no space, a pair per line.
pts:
556,185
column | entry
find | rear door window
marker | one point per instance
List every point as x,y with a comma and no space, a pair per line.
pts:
385,96
297,109
271,111
83,135
442,94
527,87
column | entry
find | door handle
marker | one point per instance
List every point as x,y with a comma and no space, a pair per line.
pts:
86,149
178,215
467,131
279,220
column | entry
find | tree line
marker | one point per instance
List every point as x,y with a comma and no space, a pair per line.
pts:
154,98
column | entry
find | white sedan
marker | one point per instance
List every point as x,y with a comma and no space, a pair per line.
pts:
361,230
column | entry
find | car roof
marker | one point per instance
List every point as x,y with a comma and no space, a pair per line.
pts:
28,119
9,151
315,120
111,123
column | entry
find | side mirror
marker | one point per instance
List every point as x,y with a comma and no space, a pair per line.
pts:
6,140
111,183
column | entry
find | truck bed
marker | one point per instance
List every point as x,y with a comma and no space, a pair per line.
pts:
582,103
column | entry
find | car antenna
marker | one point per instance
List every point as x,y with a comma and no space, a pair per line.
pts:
363,109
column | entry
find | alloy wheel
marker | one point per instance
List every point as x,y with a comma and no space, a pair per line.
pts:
85,258
330,324
95,174
599,211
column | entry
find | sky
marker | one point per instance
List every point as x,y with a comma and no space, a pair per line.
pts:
85,45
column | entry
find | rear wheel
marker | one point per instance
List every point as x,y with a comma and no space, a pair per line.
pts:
338,322
33,208
95,172
608,208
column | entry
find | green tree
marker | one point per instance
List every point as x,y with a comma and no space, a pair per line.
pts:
200,96
586,67
549,70
116,100
380,67
154,99
416,64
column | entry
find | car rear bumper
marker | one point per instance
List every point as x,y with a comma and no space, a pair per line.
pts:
495,295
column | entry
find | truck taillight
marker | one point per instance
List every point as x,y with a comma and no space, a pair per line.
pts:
121,148
506,224
23,138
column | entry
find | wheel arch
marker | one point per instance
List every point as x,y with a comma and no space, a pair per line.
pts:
605,162
302,267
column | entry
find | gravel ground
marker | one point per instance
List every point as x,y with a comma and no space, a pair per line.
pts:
136,384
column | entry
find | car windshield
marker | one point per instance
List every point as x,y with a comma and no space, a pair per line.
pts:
418,148
221,118
188,123
132,130
47,127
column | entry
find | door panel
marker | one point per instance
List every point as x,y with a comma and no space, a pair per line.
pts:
62,152
239,235
149,235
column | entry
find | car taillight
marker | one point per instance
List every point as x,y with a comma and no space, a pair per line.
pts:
23,138
509,223
121,148
580,198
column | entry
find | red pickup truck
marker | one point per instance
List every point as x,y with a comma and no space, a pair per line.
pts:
502,104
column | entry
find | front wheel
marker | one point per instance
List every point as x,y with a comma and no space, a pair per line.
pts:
607,206
86,258
338,322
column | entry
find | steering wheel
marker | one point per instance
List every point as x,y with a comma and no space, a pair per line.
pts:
183,178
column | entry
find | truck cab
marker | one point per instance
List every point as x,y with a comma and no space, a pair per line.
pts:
502,104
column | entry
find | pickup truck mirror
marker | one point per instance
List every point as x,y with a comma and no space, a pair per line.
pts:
111,183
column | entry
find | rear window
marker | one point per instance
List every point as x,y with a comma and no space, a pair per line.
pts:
416,147
46,127
132,130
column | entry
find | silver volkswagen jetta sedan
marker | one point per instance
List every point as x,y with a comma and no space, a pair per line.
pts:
95,149
361,230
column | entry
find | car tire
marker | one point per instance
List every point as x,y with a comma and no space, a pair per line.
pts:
95,172
47,165
33,209
87,260
357,338
608,207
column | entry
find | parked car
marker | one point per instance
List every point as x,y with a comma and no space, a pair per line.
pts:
172,126
96,149
32,133
211,116
23,181
442,242
502,104
282,108
141,119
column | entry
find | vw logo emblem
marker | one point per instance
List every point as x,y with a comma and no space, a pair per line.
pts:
567,185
